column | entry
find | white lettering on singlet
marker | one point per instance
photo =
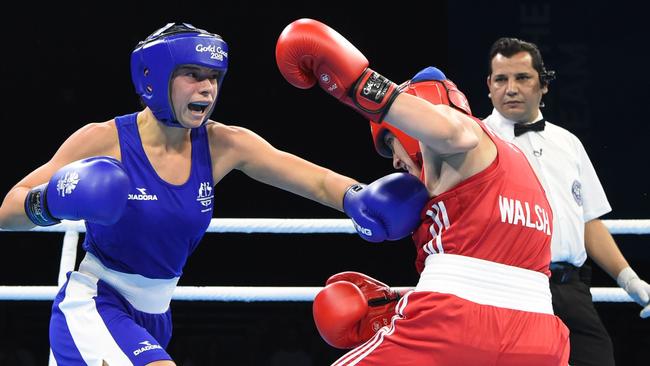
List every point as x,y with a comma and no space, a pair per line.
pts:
147,347
143,196
515,212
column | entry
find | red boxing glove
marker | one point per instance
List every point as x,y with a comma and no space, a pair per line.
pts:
309,50
352,308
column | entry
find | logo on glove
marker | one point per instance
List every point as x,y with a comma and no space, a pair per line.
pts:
67,184
376,88
376,325
325,78
362,230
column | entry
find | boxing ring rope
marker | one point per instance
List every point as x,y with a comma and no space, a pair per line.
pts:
250,294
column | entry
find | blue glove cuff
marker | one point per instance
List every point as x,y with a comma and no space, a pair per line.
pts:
36,207
350,192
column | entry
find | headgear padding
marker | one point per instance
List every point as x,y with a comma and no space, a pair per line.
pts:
154,60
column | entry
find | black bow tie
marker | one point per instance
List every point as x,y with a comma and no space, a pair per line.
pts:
535,126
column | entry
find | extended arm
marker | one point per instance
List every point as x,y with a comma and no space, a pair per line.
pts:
91,140
387,209
310,52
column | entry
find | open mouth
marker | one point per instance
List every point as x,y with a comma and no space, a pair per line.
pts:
198,106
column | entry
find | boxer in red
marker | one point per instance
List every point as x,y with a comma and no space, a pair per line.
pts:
483,245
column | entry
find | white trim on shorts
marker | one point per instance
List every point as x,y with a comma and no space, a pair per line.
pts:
486,282
85,323
149,295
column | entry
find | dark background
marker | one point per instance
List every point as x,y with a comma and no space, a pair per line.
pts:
62,71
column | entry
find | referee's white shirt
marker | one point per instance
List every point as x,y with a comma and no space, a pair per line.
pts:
566,173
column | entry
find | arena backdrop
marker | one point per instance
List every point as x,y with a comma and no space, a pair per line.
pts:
65,66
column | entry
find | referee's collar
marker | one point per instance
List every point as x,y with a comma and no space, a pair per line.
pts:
505,127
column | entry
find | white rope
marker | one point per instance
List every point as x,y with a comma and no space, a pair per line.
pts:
319,226
610,294
251,294
628,226
247,294
277,226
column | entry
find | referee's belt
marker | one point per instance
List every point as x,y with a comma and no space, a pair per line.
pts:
563,272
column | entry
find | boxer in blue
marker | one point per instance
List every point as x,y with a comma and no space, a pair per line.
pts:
143,183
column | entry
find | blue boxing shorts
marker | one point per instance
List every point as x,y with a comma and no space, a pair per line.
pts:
91,323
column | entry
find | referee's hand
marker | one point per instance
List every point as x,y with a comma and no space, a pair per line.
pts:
638,289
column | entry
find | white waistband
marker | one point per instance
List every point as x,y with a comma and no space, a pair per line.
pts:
145,294
486,282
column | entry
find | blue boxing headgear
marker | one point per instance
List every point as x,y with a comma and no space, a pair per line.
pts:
154,60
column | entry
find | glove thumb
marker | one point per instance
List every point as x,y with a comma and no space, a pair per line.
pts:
645,312
643,293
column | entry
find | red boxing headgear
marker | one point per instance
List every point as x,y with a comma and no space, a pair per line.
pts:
433,91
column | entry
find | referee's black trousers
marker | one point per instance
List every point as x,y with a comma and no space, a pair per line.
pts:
572,302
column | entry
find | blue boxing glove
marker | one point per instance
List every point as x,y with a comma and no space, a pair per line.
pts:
94,189
387,209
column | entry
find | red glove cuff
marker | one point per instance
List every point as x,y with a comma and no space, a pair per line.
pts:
373,95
